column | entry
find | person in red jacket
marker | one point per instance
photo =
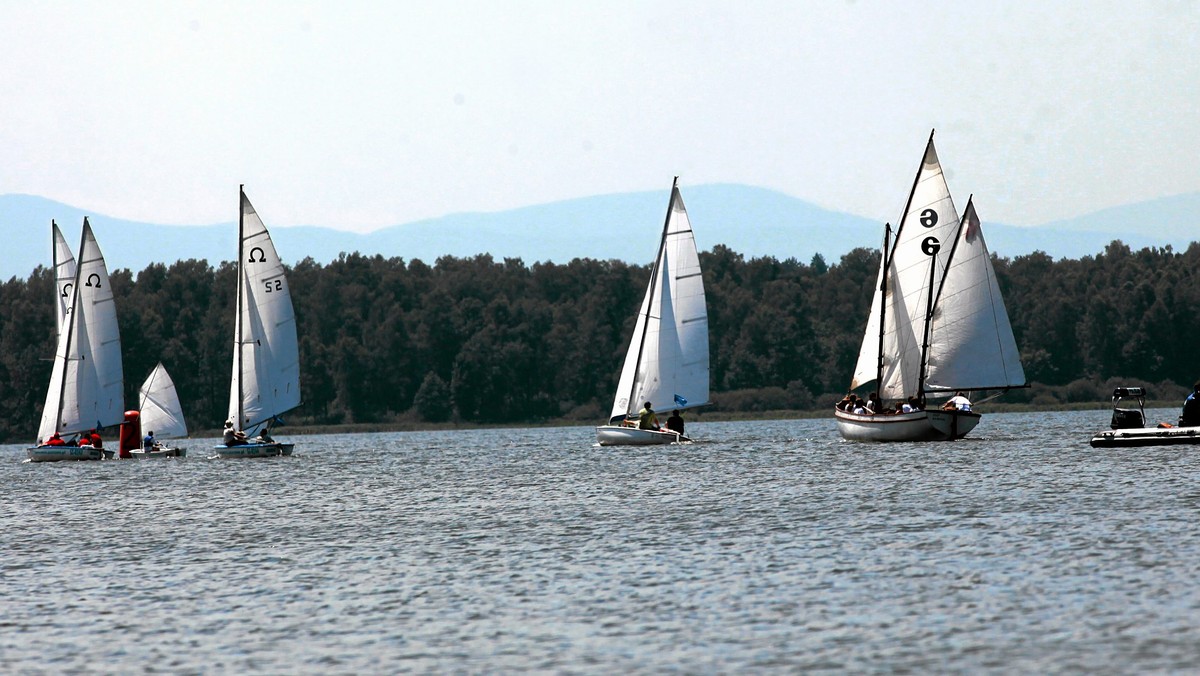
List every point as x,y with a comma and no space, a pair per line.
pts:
97,442
55,440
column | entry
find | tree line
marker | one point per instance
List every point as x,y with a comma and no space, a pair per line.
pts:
486,341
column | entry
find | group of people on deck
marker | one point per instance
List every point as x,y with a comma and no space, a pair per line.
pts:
648,420
873,405
236,437
90,438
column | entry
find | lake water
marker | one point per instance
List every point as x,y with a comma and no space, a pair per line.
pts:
767,546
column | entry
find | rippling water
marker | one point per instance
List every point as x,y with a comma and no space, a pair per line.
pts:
767,546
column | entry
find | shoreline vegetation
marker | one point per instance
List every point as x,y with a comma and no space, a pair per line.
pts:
472,343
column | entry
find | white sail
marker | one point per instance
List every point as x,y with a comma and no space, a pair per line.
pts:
972,345
86,384
266,356
918,260
158,402
667,363
64,276
623,403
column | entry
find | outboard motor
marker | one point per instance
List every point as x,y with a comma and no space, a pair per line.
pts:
131,434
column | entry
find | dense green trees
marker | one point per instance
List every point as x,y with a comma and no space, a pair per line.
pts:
488,341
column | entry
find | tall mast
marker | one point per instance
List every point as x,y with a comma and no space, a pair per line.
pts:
928,322
62,387
662,244
884,262
241,292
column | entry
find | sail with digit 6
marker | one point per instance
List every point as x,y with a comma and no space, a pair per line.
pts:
937,328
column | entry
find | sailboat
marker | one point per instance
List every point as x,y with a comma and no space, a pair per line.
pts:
937,325
86,388
160,413
667,361
266,355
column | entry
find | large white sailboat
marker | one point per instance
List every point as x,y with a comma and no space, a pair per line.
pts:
161,414
667,360
86,388
937,324
266,355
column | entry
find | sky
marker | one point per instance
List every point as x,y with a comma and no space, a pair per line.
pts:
358,115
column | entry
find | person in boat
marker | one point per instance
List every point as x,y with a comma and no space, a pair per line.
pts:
647,420
958,402
675,423
233,437
847,402
94,437
149,442
873,403
55,440
858,406
1190,416
264,437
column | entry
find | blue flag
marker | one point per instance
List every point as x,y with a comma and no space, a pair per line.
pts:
680,400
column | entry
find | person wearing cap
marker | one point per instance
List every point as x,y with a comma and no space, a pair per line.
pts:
232,436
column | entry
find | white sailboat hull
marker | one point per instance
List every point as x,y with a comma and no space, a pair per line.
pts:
1146,436
254,450
59,453
164,452
916,426
613,435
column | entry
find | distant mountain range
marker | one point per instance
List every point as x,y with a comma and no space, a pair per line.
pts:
752,221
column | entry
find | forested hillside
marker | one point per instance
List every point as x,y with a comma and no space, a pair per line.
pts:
491,341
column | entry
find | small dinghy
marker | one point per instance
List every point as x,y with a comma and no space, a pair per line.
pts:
1129,428
266,354
86,387
161,416
667,362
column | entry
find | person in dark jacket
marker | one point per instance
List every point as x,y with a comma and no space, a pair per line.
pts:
1190,417
675,422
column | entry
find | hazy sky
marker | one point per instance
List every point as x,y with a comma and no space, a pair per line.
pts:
357,115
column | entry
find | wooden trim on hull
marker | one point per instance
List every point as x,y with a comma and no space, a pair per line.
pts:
254,450
916,426
60,453
1147,436
613,435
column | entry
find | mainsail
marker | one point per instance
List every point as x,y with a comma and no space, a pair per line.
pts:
161,411
86,384
972,346
667,363
266,355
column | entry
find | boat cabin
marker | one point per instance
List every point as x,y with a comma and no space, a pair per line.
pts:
1124,415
